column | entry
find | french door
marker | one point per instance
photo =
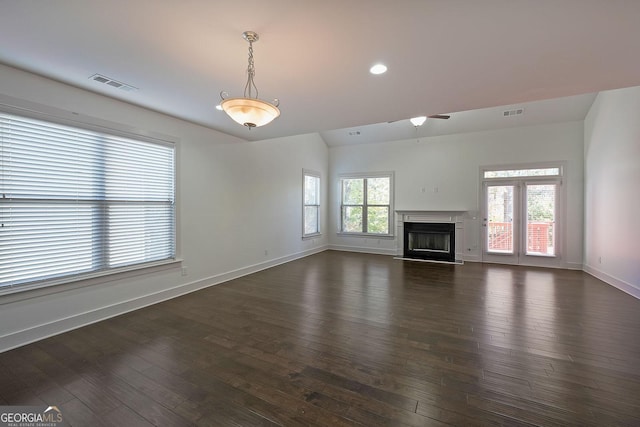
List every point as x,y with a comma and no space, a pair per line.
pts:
520,223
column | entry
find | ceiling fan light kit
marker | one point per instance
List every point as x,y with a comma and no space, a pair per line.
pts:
250,111
418,121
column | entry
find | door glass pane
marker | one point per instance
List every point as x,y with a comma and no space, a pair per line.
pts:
353,191
541,209
378,220
500,219
352,219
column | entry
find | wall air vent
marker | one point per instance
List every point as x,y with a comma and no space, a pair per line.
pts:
113,83
514,112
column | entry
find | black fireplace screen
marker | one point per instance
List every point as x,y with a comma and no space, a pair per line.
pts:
430,241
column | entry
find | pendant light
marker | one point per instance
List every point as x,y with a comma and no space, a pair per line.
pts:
250,111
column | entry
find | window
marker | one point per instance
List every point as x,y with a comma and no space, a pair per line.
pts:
311,196
366,205
76,201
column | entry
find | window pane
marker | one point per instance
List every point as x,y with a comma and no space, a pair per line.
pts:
353,191
136,170
522,172
378,220
500,220
541,219
352,219
44,160
311,190
378,191
40,241
139,233
311,220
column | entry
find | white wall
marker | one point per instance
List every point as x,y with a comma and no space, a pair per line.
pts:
235,200
452,164
612,189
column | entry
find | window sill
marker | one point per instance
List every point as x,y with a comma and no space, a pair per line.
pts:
16,293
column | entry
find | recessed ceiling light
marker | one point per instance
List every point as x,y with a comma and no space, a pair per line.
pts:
378,69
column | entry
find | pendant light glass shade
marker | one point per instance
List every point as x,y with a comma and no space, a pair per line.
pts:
250,112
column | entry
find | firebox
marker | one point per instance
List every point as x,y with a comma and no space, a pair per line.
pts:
430,241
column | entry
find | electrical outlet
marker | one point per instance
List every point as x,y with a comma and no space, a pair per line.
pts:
266,252
184,271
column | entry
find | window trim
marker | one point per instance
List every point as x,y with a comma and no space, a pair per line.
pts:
315,174
560,165
32,110
366,175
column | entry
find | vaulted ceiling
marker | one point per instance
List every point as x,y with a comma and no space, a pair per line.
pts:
443,56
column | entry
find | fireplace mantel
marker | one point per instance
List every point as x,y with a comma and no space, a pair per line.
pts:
414,212
429,216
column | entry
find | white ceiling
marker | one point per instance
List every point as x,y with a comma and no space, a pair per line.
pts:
557,110
443,56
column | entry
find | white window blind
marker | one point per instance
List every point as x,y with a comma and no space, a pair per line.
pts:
76,201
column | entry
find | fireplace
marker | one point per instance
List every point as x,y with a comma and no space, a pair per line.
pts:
433,241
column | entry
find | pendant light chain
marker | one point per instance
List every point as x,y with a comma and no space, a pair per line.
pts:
251,72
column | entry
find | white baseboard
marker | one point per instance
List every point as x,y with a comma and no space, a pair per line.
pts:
573,266
363,249
628,288
40,332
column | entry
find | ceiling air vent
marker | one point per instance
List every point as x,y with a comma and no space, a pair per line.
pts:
514,112
113,83
354,133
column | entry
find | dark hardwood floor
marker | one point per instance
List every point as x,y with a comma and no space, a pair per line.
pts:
351,339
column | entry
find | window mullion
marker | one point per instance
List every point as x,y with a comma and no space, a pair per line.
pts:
364,207
101,227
